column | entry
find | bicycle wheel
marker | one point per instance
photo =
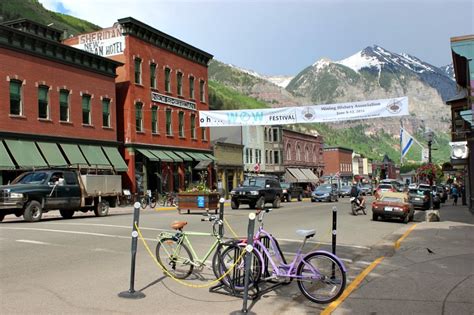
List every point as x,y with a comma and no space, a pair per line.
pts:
175,258
143,202
321,278
235,279
152,202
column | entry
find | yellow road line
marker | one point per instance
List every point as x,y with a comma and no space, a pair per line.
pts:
397,243
328,310
331,307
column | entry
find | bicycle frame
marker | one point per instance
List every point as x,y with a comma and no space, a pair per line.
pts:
280,268
183,238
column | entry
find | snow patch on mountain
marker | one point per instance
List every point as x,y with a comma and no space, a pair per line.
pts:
249,72
280,80
321,64
359,61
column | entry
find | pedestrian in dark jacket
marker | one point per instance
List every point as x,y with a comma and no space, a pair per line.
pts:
454,195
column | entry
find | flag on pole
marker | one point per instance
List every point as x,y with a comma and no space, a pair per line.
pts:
406,141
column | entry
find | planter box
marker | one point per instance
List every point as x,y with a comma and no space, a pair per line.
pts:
189,201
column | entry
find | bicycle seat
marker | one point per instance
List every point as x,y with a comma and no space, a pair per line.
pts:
306,233
178,225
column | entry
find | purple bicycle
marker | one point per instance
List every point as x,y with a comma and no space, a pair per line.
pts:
321,275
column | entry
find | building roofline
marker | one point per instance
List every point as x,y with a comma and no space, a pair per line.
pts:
133,27
41,47
35,28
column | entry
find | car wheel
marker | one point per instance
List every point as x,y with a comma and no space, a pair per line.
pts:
101,209
276,202
300,197
406,218
260,203
66,214
252,205
2,216
374,217
234,204
33,211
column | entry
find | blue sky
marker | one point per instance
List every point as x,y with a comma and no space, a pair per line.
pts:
283,37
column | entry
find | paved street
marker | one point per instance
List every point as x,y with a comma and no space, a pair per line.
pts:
80,265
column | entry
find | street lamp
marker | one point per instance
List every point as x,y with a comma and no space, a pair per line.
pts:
429,137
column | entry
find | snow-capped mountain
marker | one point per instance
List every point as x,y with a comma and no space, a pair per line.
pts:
374,73
280,80
448,70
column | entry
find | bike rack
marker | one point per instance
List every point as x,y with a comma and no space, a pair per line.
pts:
257,290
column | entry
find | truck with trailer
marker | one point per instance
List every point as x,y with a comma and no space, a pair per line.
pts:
36,192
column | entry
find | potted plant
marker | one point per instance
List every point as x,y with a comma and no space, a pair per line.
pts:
199,196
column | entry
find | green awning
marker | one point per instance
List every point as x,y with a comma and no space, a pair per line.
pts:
73,154
94,155
25,153
175,157
183,155
5,162
52,154
116,159
162,156
149,155
202,157
193,155
210,156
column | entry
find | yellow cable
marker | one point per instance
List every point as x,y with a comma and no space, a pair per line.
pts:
178,280
230,228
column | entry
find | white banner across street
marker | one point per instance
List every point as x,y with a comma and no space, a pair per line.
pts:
305,114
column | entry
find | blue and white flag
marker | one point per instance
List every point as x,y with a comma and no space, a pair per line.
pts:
406,140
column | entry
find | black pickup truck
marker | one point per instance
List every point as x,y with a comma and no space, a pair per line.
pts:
256,191
33,193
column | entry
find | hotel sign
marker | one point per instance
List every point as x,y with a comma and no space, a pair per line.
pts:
165,99
105,43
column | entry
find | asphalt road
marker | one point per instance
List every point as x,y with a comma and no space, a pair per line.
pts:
81,264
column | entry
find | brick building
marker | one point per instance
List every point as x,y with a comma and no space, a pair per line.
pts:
57,103
338,161
160,89
302,156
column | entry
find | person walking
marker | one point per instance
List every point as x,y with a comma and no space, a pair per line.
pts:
454,195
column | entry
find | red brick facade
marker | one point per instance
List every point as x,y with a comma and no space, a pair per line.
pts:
34,71
144,48
303,150
338,160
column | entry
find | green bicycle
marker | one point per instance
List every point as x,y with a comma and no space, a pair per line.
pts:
177,256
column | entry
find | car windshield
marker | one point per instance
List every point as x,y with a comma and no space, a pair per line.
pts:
255,182
420,192
385,186
31,178
345,188
323,189
285,185
366,186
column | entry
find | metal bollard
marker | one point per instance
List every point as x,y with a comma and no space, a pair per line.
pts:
334,229
131,293
221,217
248,260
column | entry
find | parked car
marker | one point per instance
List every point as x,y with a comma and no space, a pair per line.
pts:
256,191
325,193
393,205
381,188
33,193
395,183
420,197
290,191
345,191
366,189
441,192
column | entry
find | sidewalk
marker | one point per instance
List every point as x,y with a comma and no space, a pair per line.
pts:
431,273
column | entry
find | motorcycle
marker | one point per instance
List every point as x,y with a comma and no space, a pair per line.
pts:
356,206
